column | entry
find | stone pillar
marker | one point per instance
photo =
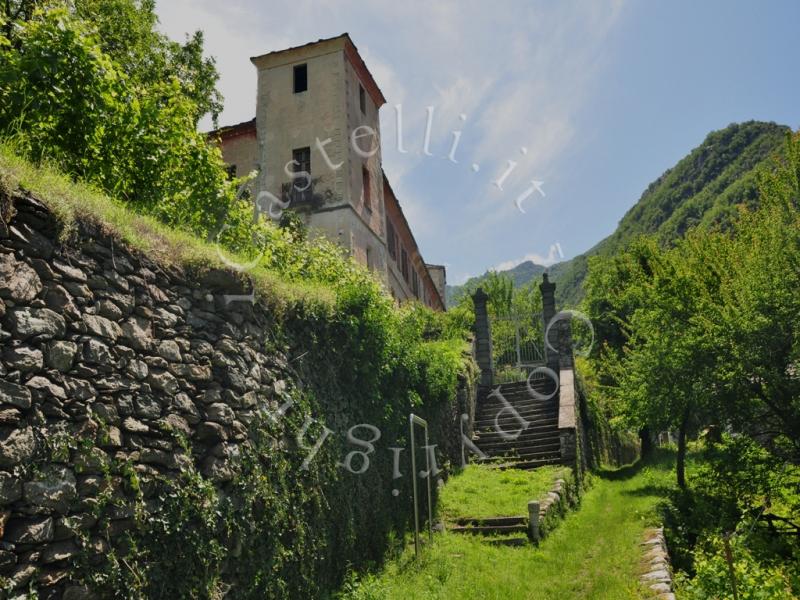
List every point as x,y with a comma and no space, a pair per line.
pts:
548,290
483,337
533,520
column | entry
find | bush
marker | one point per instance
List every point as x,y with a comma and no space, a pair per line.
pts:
754,579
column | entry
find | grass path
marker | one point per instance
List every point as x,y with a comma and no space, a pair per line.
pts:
594,553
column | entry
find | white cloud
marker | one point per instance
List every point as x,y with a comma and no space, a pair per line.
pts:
554,255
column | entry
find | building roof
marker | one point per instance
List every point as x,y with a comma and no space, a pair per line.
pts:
230,131
350,50
411,234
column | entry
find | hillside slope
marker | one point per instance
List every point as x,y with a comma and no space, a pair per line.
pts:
702,190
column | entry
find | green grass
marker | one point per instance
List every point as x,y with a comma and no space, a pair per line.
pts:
594,553
73,202
481,491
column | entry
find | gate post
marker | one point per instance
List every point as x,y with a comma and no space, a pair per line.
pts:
483,337
548,290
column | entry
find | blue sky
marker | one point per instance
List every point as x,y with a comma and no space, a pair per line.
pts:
593,99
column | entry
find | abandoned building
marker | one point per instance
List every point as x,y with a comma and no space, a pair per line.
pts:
315,144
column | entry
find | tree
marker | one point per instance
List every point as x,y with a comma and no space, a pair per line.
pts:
127,34
63,99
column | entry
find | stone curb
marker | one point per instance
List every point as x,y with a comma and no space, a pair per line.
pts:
657,571
557,499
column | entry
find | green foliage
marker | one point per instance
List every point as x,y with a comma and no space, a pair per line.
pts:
63,99
704,335
595,552
754,579
481,491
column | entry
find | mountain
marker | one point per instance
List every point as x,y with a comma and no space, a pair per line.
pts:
702,190
520,275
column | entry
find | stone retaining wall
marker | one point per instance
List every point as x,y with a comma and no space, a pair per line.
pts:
110,359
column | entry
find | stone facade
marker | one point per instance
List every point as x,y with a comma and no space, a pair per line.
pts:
336,119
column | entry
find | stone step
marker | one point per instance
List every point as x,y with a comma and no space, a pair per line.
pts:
510,541
503,463
527,405
491,521
527,465
535,427
522,446
512,422
489,413
534,453
489,529
547,388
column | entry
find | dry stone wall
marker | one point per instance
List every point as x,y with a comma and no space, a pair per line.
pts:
115,369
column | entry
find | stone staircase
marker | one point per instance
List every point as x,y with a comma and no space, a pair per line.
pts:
505,531
507,405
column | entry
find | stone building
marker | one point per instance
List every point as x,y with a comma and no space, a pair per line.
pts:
315,144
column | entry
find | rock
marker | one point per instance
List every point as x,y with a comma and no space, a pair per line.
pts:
60,354
92,461
47,578
177,423
40,322
163,380
220,413
18,282
15,395
44,389
217,469
78,592
134,426
659,575
79,522
96,352
30,531
170,351
660,588
80,389
209,431
54,488
184,404
69,271
192,372
158,457
24,358
16,446
114,437
59,300
146,407
20,577
137,332
10,488
7,559
9,416
102,327
166,318
59,551
108,309
138,369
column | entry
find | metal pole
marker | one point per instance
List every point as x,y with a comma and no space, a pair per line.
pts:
414,485
428,471
414,419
